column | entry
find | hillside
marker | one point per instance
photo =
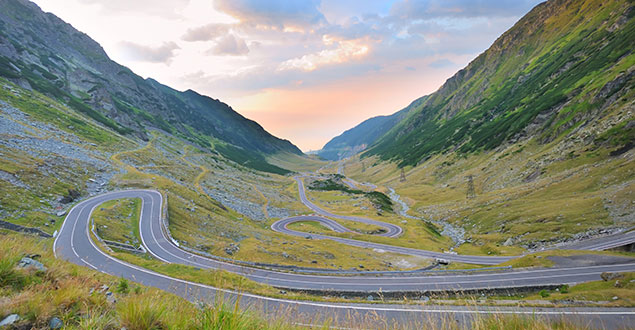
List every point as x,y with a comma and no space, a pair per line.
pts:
532,143
560,69
41,52
363,135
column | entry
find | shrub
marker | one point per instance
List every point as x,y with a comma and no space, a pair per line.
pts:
564,289
123,286
544,293
8,274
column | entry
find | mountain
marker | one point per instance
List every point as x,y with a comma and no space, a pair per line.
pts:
365,134
559,70
40,51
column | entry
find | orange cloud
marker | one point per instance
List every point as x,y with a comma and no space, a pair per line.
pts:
345,51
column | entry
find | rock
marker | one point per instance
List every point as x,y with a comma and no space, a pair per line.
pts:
606,276
103,288
615,298
283,292
110,298
27,262
618,284
9,320
60,213
284,254
231,249
508,242
56,323
361,266
370,298
314,261
425,298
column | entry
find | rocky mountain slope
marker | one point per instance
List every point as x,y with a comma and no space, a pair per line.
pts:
41,52
532,143
561,69
365,134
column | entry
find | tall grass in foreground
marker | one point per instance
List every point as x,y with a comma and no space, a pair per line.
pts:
74,295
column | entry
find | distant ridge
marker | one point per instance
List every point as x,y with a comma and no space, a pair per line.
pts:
365,134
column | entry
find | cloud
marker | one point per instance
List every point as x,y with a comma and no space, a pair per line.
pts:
273,13
427,9
167,9
206,32
229,45
141,53
344,51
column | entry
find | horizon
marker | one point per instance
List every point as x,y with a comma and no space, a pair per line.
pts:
294,68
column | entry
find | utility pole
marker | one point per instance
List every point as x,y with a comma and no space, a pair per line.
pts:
403,176
470,187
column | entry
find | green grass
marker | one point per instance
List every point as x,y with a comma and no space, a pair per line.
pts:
73,294
487,105
118,220
378,198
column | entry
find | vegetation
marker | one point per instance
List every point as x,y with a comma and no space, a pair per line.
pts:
102,90
365,134
378,198
556,79
76,296
118,220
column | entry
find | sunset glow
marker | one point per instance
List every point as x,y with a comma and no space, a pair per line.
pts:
306,70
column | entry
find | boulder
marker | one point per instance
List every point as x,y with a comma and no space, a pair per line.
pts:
27,262
55,323
9,320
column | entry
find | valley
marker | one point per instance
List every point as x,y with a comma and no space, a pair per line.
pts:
503,199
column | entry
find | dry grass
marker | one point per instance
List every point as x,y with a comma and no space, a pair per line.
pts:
73,294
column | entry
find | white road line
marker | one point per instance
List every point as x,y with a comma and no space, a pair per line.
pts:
152,232
366,308
73,213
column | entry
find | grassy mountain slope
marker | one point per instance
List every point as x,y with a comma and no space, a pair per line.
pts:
41,52
559,69
365,134
531,143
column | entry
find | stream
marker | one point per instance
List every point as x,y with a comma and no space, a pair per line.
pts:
457,234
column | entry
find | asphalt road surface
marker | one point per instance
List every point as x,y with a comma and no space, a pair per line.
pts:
74,244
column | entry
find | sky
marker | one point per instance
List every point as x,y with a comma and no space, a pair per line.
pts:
306,70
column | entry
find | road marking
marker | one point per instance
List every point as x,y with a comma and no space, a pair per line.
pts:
75,215
141,230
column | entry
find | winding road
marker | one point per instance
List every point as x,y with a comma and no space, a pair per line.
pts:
74,243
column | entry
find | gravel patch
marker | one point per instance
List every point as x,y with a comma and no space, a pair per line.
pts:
246,208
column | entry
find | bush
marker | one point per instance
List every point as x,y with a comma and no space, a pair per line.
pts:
564,289
544,293
9,276
123,286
